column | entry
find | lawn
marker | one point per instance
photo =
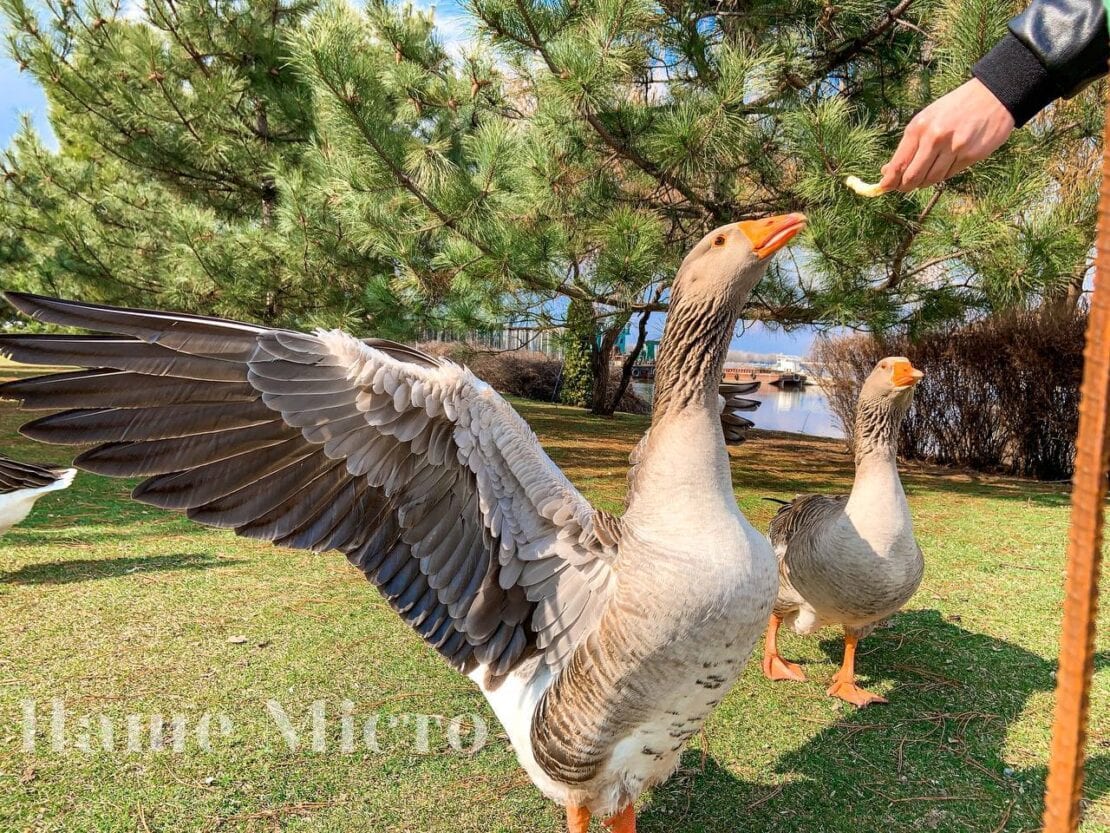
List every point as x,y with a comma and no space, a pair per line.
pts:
120,610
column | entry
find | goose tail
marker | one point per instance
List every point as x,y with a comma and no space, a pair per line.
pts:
64,481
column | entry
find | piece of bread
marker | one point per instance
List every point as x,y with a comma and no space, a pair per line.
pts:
864,189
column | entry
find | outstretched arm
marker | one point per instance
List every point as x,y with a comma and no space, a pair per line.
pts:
1053,50
947,137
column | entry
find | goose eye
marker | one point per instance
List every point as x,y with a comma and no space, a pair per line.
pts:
719,240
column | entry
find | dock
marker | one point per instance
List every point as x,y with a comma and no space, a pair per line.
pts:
777,378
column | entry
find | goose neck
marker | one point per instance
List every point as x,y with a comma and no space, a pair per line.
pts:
875,434
692,355
877,487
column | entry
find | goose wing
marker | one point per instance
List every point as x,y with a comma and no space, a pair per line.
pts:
16,476
420,473
796,533
799,524
732,403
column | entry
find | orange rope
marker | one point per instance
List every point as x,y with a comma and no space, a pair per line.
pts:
1077,638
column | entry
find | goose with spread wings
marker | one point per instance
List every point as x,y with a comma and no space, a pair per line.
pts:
601,643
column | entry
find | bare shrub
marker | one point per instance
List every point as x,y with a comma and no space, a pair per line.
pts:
999,395
521,373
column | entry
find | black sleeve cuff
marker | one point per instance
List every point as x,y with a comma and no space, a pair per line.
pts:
1017,78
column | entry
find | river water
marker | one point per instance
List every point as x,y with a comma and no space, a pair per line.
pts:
795,410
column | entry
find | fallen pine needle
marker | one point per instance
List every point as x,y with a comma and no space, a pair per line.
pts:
1005,817
765,798
933,798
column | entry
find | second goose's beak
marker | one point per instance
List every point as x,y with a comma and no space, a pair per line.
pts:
770,234
905,375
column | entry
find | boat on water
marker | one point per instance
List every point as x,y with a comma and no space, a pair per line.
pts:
765,376
785,372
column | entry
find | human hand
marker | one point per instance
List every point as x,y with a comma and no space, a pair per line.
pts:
948,136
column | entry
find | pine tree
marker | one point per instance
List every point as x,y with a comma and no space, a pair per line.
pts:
183,176
170,130
572,155
614,133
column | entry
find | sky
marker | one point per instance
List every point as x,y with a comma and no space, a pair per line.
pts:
20,95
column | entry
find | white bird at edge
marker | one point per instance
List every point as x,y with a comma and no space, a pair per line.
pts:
22,484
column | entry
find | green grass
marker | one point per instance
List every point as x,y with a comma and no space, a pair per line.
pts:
121,609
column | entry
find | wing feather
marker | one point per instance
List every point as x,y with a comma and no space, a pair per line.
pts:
120,389
803,518
16,476
421,474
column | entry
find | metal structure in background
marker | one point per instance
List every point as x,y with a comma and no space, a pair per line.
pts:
1077,638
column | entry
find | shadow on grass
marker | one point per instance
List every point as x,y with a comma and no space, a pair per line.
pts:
38,532
67,572
934,759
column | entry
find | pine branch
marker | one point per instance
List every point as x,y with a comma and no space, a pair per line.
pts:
847,51
407,183
667,178
835,58
900,253
929,264
786,315
713,209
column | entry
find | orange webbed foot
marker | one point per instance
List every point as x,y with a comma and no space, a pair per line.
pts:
578,819
622,822
777,668
849,692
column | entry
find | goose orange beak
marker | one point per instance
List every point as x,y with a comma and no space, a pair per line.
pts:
770,234
905,375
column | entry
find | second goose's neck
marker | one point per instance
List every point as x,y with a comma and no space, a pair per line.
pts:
877,490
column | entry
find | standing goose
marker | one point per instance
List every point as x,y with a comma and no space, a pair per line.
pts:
850,560
601,644
21,484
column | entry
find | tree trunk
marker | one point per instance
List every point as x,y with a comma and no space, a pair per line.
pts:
630,361
579,343
601,403
601,364
1066,301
